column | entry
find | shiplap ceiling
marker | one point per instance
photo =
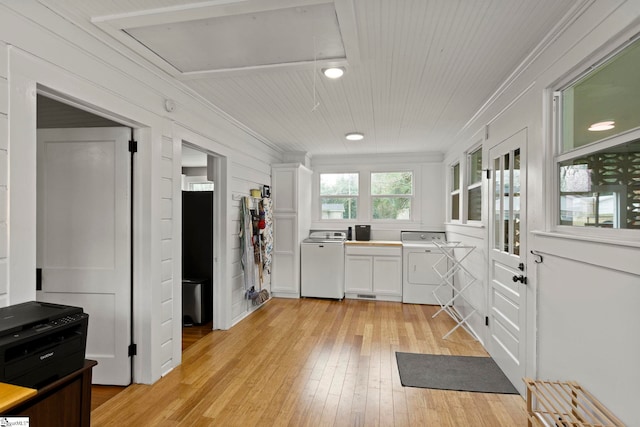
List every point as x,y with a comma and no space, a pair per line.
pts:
417,70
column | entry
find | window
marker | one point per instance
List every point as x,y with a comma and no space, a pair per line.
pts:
455,192
598,161
339,195
602,189
474,185
391,195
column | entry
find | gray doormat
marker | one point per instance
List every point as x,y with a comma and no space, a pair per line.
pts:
462,373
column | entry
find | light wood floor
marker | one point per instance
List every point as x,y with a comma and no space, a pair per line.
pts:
313,362
190,335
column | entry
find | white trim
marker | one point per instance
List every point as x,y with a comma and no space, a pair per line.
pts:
221,196
27,75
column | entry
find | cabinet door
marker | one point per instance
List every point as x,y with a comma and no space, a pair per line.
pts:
387,275
358,271
285,185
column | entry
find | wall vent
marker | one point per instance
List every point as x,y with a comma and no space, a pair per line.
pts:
366,296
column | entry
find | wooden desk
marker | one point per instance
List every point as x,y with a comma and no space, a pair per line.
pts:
65,402
12,395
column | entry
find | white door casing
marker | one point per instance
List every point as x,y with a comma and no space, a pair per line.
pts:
507,299
83,243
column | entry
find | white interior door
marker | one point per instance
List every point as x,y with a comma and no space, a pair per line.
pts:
83,245
507,278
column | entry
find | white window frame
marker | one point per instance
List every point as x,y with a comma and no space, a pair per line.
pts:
557,156
453,192
411,196
320,196
364,214
468,186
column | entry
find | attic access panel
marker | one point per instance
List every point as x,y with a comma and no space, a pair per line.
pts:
282,36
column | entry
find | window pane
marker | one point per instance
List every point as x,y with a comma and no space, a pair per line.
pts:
387,183
339,207
474,211
456,177
475,166
602,189
455,206
610,93
392,208
339,184
506,205
515,193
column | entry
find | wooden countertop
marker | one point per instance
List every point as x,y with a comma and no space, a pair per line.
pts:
11,395
373,243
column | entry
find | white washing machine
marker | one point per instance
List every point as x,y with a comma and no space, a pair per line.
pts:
322,265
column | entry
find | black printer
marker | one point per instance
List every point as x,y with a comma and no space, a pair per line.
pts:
41,342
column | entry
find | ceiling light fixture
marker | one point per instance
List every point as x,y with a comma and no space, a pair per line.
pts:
600,126
354,136
333,72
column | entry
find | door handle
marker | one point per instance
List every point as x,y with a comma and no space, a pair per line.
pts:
38,279
520,279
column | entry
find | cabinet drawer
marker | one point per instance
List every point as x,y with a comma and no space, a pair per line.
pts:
373,250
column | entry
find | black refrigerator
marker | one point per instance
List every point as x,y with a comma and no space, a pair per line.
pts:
197,257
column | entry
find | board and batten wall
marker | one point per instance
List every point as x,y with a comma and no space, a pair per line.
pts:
582,298
40,50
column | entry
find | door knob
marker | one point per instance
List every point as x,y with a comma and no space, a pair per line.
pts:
520,279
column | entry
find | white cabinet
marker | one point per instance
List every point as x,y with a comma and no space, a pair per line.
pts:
373,272
291,193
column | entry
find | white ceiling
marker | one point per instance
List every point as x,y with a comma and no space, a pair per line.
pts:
417,70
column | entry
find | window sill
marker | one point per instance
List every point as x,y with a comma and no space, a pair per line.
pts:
468,224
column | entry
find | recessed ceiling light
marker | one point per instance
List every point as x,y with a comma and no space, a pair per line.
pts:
600,126
354,136
333,72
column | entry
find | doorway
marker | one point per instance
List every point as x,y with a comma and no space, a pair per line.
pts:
83,236
507,288
198,270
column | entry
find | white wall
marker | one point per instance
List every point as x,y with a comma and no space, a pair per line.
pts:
428,212
583,296
4,173
46,51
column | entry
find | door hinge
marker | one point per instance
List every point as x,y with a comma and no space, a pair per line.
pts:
133,350
486,320
38,279
133,146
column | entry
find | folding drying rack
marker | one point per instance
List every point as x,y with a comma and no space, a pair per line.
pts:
454,265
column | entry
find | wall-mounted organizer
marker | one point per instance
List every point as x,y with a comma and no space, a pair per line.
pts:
453,254
256,245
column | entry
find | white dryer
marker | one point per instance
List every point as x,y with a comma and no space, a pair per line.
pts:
419,255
